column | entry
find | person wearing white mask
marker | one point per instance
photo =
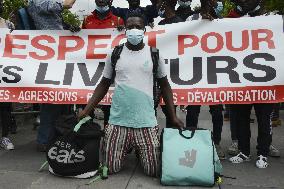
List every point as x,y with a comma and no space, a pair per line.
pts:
132,122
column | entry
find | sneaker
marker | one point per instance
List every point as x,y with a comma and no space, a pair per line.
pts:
7,144
261,162
220,152
233,149
276,123
37,121
273,152
240,158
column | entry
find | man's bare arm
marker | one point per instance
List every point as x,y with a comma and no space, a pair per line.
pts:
98,95
167,95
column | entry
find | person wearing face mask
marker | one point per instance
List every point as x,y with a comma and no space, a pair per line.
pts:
132,122
150,12
184,9
102,17
263,112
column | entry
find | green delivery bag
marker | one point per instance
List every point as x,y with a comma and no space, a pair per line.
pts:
189,158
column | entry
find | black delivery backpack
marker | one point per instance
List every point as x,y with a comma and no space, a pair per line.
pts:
74,150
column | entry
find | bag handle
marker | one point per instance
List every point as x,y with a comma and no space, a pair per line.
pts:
81,122
189,129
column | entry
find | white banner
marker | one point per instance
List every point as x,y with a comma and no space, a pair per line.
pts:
208,62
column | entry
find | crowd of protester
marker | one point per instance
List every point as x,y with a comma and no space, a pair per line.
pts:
129,127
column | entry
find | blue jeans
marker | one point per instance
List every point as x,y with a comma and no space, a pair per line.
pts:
49,113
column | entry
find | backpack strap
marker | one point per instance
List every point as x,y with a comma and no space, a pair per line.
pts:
155,59
115,56
81,122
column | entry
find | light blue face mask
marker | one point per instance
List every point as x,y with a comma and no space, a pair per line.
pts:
184,3
102,9
134,36
219,9
161,13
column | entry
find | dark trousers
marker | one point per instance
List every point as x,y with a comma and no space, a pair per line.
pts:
233,127
36,107
106,110
6,117
49,113
217,119
263,112
168,122
227,111
275,112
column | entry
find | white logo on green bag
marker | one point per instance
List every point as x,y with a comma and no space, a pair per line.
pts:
189,160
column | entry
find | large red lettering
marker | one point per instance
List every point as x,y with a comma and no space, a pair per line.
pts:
256,39
204,42
182,45
9,46
245,41
63,49
49,52
92,46
117,40
152,37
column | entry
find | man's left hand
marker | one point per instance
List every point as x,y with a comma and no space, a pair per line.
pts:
177,123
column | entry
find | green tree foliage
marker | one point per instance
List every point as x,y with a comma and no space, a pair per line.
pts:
274,5
71,18
228,6
11,6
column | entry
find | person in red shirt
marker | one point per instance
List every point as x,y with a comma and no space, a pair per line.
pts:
102,17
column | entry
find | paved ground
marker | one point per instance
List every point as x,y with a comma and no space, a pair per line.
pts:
18,168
